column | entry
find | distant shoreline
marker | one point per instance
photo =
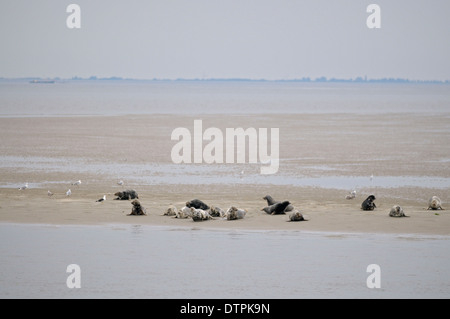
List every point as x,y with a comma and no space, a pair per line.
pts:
295,80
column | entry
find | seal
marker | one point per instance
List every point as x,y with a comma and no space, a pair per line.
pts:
368,204
137,209
126,195
271,201
199,214
278,208
296,216
434,203
198,204
216,211
397,211
185,212
235,213
171,211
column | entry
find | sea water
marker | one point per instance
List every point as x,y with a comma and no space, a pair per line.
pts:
137,261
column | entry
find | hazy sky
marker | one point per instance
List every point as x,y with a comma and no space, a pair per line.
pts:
271,39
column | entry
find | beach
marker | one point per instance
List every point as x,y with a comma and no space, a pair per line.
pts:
390,141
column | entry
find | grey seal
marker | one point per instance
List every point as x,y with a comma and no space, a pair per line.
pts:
198,204
126,195
278,208
397,211
434,203
368,204
137,209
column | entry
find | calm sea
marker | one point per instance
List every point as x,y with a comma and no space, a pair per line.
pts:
78,98
135,261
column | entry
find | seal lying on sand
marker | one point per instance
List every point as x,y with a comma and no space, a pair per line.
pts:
137,208
185,212
368,204
199,214
434,203
296,216
198,204
271,201
278,208
397,211
216,211
235,213
171,211
126,195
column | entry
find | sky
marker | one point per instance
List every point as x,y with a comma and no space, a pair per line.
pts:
255,39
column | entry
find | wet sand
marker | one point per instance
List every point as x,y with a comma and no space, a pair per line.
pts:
310,145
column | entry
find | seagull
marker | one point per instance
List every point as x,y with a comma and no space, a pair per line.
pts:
371,177
101,199
77,183
120,183
69,192
23,187
49,193
351,195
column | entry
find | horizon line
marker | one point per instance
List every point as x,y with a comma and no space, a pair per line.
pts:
322,79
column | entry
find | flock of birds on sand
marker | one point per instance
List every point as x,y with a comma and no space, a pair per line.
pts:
198,210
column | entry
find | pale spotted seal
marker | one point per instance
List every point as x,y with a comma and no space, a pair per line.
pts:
434,203
235,213
137,209
397,211
171,211
216,211
126,195
185,212
199,214
296,216
368,204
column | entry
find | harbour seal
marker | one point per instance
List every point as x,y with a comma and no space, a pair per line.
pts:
397,211
171,211
199,214
278,208
137,209
235,213
368,204
296,216
271,201
216,211
126,195
198,204
185,212
434,203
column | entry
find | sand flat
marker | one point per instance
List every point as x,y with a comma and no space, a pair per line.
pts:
100,150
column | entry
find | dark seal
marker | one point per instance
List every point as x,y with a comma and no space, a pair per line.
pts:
276,209
197,204
137,209
368,204
126,195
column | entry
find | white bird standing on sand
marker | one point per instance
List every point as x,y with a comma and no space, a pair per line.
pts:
371,177
78,183
101,199
351,195
69,192
120,183
23,187
49,193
